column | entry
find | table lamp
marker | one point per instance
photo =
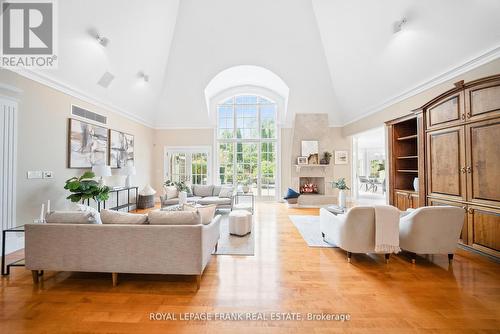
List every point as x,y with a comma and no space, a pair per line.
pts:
101,171
128,171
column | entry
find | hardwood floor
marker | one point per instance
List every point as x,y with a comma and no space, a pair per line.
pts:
284,276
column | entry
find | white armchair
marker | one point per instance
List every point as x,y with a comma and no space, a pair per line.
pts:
431,230
353,231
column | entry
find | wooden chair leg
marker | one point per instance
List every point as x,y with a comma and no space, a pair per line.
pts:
450,258
198,282
35,276
114,277
387,256
349,255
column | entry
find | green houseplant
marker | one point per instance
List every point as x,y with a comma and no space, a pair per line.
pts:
85,187
341,185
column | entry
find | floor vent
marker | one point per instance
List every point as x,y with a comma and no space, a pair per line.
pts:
84,113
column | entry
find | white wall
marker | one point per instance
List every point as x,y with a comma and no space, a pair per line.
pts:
42,144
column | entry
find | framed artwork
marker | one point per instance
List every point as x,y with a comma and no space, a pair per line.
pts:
87,144
121,149
309,147
341,157
302,161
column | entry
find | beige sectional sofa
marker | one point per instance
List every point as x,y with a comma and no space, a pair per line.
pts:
204,195
180,247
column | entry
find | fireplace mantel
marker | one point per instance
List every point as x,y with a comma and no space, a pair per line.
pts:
318,166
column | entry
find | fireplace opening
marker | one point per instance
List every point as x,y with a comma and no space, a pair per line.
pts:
312,185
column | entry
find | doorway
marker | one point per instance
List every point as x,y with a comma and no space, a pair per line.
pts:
188,164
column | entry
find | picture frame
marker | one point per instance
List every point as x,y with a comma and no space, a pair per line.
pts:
302,161
87,144
341,157
121,149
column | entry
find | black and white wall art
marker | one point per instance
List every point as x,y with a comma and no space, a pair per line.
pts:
88,144
121,151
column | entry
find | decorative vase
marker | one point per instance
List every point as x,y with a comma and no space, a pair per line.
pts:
245,189
342,202
415,184
183,195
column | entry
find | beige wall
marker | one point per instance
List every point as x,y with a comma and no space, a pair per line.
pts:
42,144
176,137
406,106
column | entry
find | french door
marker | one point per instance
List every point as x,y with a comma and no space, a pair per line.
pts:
191,165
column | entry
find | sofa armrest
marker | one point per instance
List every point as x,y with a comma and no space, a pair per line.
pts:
210,237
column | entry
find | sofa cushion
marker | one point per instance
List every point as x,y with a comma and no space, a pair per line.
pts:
207,212
202,190
174,218
216,190
117,217
226,192
173,201
171,192
94,213
291,194
214,200
69,217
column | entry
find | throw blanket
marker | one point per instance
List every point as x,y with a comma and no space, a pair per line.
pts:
386,229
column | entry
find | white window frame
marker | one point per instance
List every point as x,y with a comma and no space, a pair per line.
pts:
187,149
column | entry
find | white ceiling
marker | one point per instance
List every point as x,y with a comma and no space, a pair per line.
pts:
337,57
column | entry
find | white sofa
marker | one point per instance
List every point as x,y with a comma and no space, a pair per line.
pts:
353,231
431,230
116,248
204,195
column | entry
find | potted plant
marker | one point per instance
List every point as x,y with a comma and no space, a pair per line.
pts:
182,188
245,186
85,187
341,185
326,158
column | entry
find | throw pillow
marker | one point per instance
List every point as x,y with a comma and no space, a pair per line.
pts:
171,192
174,218
207,212
226,192
118,217
93,212
202,190
216,190
291,194
69,217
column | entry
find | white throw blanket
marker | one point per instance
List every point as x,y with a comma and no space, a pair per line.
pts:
386,229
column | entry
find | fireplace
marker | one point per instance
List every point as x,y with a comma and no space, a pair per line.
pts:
312,185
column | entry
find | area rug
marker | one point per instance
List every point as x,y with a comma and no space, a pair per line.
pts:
232,244
308,227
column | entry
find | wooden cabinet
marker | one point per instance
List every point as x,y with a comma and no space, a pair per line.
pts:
446,163
404,200
484,229
465,226
482,100
448,111
483,162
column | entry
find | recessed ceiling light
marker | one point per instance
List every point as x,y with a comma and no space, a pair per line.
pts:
143,76
398,25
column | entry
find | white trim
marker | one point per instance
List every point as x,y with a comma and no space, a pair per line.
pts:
76,93
480,60
189,149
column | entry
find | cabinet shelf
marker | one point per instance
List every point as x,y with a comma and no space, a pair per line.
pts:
408,157
408,137
407,171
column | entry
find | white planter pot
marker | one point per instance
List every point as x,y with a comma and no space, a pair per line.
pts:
183,196
342,199
246,189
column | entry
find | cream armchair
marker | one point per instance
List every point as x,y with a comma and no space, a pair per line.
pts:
353,231
431,230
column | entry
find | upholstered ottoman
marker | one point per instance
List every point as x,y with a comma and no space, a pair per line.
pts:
240,222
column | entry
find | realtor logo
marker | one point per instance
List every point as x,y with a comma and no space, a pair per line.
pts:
28,34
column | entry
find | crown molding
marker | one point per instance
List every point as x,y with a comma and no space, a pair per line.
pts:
167,127
471,64
76,93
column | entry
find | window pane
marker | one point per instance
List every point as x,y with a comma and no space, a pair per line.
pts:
246,99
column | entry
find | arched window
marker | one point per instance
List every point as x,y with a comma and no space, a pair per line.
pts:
247,140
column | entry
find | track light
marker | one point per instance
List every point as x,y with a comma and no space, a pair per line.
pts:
102,40
143,76
398,25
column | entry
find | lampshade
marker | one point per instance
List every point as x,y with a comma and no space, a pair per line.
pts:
101,170
128,170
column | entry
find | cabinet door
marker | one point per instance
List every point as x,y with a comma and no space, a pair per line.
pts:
483,101
446,112
465,227
446,170
484,229
402,201
414,202
483,162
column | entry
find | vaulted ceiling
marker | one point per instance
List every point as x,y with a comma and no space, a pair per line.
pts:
337,57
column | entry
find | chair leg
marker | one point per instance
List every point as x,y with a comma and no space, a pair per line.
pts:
387,256
35,276
349,255
450,258
114,277
413,258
